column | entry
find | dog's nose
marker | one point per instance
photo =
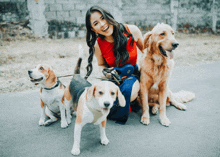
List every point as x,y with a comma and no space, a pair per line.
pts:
175,44
106,104
29,72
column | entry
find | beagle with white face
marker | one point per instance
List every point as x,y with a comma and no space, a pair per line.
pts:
92,104
51,94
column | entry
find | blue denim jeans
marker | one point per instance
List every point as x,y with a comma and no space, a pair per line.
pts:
120,114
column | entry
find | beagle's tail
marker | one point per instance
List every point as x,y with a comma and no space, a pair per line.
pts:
81,56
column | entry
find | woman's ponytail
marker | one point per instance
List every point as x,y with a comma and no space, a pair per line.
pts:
91,39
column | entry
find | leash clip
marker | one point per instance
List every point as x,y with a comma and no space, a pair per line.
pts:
113,77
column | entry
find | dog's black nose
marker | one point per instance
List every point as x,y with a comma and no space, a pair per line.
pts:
29,72
106,104
174,44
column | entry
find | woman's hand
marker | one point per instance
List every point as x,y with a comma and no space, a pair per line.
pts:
107,72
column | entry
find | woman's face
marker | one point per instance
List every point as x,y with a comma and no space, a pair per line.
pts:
100,25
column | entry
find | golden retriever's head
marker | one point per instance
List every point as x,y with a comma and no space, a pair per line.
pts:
161,40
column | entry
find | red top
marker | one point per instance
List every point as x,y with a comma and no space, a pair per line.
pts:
108,54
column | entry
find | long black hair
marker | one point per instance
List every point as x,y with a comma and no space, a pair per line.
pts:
120,40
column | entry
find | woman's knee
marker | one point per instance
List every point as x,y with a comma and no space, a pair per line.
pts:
135,90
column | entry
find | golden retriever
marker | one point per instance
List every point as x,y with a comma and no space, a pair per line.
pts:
156,66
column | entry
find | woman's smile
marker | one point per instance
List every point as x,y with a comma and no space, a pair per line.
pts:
106,29
100,25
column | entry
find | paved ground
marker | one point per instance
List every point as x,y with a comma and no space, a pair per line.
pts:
194,132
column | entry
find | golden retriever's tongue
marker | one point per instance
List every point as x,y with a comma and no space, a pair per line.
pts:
171,55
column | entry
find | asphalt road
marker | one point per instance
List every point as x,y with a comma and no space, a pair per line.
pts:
193,133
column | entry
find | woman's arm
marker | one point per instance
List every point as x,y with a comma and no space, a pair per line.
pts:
99,57
135,31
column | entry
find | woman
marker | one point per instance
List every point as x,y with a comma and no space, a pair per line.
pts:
114,45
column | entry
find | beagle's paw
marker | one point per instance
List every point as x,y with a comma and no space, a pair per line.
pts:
75,151
68,120
41,122
104,141
64,124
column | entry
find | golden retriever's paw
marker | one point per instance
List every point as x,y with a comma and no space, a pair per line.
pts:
165,121
181,106
145,120
154,110
168,104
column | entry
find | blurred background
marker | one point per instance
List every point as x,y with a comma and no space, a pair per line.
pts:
66,18
49,31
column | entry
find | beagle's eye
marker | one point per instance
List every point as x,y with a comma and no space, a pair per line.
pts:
112,93
41,68
173,33
162,34
100,92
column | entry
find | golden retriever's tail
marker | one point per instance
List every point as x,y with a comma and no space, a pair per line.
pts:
177,99
81,56
184,96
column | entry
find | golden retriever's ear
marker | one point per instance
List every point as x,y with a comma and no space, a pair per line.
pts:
90,93
146,38
121,98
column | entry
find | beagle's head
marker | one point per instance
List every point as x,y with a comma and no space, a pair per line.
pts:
40,74
105,92
161,40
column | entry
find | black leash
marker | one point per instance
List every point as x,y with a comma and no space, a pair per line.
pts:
114,76
65,76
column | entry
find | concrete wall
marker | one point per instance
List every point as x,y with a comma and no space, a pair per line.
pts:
199,14
189,16
13,10
37,20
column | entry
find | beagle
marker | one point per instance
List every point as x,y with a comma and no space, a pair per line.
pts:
51,95
92,104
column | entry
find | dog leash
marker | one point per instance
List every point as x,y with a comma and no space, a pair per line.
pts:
65,76
117,75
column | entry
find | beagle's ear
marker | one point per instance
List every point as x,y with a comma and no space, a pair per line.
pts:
90,93
121,98
146,38
51,73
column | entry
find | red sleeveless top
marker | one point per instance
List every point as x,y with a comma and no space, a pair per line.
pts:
108,51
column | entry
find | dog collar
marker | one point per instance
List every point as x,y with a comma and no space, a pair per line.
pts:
56,85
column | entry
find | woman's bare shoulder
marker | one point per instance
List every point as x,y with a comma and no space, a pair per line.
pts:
135,31
133,28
